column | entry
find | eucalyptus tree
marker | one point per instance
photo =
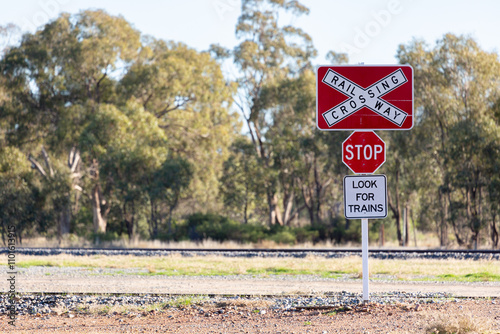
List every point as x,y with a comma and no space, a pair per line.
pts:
187,93
22,201
241,184
456,86
58,77
269,58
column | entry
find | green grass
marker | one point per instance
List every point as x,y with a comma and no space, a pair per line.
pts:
471,277
175,272
52,263
279,271
333,274
183,302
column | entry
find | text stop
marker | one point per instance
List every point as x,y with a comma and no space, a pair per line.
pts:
363,152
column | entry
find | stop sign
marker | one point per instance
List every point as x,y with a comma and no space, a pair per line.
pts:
363,152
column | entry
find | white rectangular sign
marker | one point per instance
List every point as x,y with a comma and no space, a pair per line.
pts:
365,196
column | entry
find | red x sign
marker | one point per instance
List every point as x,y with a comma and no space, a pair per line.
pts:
364,97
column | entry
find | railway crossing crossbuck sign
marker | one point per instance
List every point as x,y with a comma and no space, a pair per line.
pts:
364,97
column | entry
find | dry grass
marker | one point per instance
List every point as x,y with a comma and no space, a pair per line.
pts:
463,324
74,241
121,309
424,240
247,304
181,302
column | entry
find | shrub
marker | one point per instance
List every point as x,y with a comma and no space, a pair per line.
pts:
284,237
216,227
108,236
458,325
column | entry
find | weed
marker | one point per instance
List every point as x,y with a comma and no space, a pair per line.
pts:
255,304
460,325
186,301
279,271
183,302
104,310
471,277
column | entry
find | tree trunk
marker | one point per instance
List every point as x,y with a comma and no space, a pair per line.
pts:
494,232
443,226
169,223
287,204
397,218
153,223
274,210
381,234
319,189
308,202
65,220
245,206
64,204
396,212
129,220
407,229
98,218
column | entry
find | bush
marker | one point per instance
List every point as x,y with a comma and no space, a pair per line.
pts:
284,237
306,234
216,227
202,226
108,236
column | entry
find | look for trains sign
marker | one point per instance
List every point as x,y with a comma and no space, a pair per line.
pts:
364,97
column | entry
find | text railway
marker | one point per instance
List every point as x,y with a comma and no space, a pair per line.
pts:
360,97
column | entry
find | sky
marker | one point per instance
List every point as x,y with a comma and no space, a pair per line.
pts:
369,31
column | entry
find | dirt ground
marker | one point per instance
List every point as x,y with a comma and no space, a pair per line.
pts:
479,316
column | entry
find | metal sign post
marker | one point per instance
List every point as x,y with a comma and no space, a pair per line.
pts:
365,196
364,250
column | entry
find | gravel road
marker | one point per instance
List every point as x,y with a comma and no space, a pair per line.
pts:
82,280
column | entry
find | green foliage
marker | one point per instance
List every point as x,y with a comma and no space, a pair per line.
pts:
203,226
456,89
284,237
77,85
108,236
212,226
187,93
21,201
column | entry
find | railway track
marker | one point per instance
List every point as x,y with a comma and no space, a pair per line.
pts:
282,252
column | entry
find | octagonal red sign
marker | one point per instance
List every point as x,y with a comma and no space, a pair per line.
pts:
363,152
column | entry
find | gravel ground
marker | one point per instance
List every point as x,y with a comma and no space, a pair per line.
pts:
46,303
339,313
